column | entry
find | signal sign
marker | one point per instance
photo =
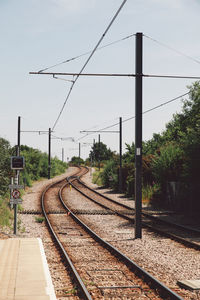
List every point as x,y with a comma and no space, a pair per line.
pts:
16,194
17,162
15,201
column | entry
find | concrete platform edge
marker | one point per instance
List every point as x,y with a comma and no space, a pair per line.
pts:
50,288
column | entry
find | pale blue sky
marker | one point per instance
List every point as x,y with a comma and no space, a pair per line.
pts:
36,34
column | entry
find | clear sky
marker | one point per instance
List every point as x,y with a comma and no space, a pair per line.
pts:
36,34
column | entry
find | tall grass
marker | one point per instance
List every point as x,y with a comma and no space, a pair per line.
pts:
96,177
149,192
6,215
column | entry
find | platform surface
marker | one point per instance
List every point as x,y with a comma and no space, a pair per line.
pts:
190,284
24,273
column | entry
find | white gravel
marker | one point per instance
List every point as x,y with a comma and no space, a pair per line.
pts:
163,258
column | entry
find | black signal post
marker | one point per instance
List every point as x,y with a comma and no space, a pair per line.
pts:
79,152
120,154
99,152
49,156
138,137
62,154
18,136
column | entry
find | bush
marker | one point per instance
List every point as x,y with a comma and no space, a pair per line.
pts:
168,164
96,177
151,194
36,165
5,213
5,172
39,219
109,175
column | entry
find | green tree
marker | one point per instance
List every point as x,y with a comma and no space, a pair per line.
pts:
5,171
153,145
76,160
129,155
100,152
168,164
36,164
109,175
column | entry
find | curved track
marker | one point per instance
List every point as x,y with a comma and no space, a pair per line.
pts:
81,286
119,263
183,234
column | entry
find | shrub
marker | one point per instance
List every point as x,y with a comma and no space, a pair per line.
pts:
168,164
109,175
39,219
5,213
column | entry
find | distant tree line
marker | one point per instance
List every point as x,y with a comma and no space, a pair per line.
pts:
36,165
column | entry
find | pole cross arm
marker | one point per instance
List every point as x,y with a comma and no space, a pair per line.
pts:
117,75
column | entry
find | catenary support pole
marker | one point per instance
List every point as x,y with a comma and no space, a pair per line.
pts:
138,137
79,152
62,154
99,151
93,153
18,136
120,154
49,155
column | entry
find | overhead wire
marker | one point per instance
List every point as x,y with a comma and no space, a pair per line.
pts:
88,52
173,49
133,117
68,80
87,61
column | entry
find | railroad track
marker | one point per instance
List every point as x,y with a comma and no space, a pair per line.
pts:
188,236
99,269
133,286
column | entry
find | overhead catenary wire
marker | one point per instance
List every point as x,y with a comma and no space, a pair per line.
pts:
172,49
133,117
88,52
87,61
62,79
115,42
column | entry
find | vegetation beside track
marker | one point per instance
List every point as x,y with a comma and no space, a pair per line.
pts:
171,161
36,168
96,176
36,165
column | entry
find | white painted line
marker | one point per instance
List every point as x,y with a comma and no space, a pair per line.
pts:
50,288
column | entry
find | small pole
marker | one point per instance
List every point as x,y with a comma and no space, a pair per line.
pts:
12,182
49,155
120,154
91,165
99,152
79,152
62,154
93,152
15,207
138,137
18,136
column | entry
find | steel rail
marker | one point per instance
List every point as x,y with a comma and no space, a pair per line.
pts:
107,198
193,230
98,203
144,224
183,227
81,286
155,284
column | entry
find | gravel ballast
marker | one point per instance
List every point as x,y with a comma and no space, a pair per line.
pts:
163,258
